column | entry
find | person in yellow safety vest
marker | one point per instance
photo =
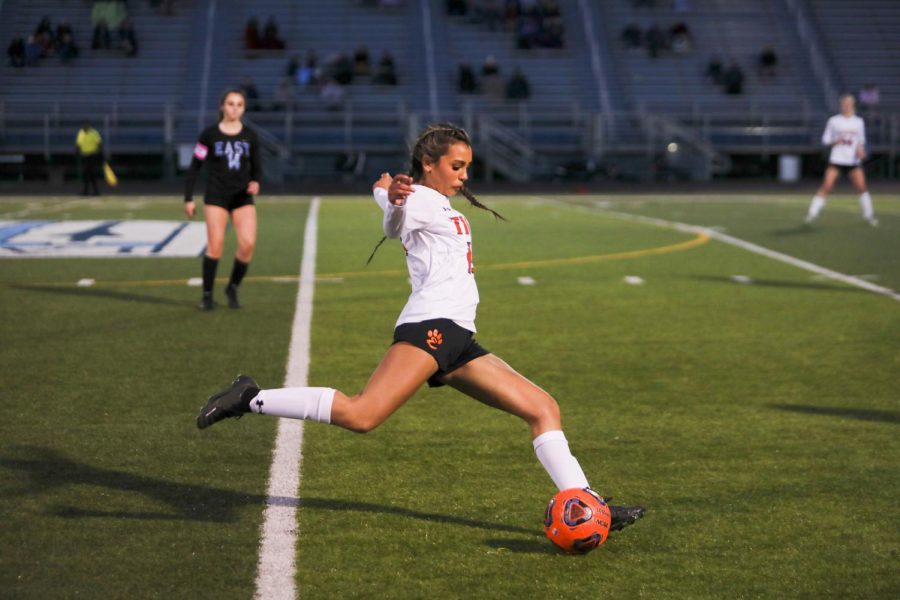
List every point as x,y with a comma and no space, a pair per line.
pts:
89,148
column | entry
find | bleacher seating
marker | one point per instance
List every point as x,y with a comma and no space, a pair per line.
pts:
98,78
733,30
863,43
163,96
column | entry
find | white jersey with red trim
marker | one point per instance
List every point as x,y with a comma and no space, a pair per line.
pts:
438,243
844,135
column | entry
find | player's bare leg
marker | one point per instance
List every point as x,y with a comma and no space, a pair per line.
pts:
818,201
492,381
858,179
402,371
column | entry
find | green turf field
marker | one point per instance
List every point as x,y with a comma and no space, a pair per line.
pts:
757,420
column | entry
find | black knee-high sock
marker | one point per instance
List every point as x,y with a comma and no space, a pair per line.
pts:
210,265
237,272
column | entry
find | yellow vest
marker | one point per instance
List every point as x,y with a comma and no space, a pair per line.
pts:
88,142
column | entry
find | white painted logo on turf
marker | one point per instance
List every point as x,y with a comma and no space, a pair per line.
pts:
100,239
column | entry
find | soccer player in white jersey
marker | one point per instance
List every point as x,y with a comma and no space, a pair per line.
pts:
434,335
845,133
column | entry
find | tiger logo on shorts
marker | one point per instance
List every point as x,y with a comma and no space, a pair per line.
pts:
434,339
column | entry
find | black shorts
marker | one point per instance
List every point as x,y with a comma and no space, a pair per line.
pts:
230,200
451,345
844,169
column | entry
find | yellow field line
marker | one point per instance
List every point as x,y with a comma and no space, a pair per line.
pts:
698,240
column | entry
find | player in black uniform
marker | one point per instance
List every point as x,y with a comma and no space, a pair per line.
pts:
231,149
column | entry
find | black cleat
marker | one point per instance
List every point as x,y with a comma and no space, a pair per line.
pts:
206,303
231,292
623,516
230,402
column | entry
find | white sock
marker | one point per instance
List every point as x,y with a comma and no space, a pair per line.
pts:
815,207
552,450
865,201
312,403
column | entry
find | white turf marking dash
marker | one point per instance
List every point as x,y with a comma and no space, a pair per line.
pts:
762,251
195,281
277,549
526,280
633,280
741,279
86,282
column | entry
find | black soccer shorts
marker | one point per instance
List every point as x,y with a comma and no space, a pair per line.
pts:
451,346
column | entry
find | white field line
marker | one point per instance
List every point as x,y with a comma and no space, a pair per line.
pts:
750,247
276,567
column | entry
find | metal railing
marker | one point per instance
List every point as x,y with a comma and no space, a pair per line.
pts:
518,141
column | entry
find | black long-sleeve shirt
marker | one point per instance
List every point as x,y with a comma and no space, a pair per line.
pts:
233,162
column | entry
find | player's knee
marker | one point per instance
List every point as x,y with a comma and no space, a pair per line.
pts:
214,248
544,413
360,420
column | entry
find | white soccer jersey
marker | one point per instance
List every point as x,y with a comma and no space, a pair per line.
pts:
847,134
438,245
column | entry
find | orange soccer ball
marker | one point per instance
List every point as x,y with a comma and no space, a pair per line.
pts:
577,520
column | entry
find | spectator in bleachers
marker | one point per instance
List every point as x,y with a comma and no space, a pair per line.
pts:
517,88
490,67
101,36
16,52
511,13
632,38
251,35
284,95
733,79
251,94
32,52
67,49
681,6
292,67
339,67
715,70
655,40
680,38
361,62
385,74
551,33
465,80
869,99
457,7
63,28
332,95
127,38
527,30
768,63
270,37
488,13
491,82
43,35
308,73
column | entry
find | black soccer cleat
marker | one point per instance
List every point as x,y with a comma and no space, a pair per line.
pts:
231,402
231,293
206,303
621,517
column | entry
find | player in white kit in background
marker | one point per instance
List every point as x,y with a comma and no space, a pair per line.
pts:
434,335
846,134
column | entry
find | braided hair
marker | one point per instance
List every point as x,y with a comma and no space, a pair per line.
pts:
433,143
